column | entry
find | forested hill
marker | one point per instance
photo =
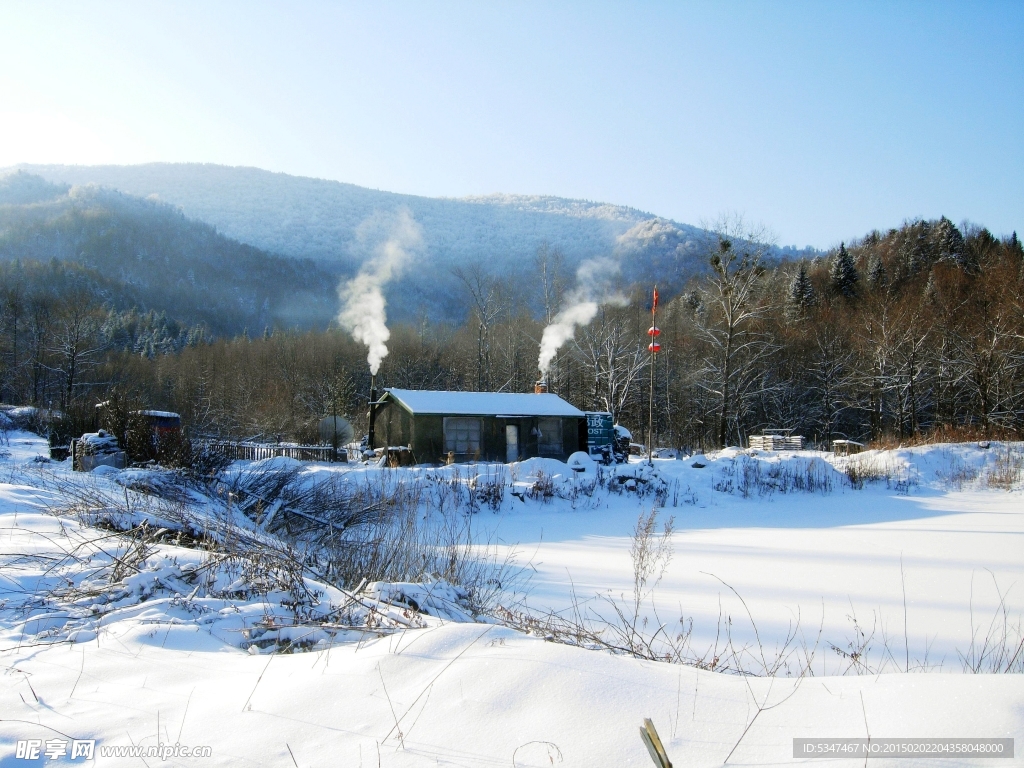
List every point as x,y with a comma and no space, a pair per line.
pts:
141,254
297,216
316,218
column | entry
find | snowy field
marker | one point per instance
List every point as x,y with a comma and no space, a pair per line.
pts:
921,567
923,547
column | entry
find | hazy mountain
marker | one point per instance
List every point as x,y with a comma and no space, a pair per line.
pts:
318,219
22,188
147,255
305,217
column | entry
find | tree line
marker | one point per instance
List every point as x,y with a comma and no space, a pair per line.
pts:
899,334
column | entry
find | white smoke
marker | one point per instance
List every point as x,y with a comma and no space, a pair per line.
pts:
392,241
593,288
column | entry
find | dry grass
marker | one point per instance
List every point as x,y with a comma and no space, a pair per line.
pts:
965,433
1007,470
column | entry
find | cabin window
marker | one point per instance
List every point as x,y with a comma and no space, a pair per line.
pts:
462,435
549,439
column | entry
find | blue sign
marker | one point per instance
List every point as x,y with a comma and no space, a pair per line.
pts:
600,433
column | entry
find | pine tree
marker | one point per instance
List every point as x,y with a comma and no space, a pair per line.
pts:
801,295
917,250
878,279
931,293
1015,246
950,246
843,273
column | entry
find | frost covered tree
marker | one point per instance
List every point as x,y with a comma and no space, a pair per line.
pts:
950,246
831,379
736,347
843,273
75,342
800,297
878,278
486,301
614,354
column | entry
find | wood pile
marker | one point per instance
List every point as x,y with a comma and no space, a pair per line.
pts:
777,442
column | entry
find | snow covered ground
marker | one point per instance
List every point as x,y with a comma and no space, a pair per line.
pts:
820,558
179,651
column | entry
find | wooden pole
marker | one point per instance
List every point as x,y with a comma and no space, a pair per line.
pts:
650,414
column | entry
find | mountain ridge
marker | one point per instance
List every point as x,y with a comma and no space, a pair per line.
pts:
145,254
316,218
324,221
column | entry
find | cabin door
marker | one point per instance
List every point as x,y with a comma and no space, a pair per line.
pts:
511,443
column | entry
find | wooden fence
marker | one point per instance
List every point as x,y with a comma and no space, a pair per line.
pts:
257,451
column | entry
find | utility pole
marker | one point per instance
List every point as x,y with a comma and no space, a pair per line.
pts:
654,348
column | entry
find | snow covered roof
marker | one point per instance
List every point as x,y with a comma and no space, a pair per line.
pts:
161,414
482,403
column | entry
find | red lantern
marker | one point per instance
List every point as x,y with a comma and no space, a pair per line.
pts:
654,331
654,347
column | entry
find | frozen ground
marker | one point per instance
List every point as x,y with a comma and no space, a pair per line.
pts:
179,666
818,558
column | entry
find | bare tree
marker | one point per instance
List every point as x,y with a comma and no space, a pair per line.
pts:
832,377
12,311
485,297
75,340
549,263
729,326
615,357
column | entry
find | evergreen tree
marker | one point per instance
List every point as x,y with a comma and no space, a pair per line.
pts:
917,250
950,246
877,277
1015,246
843,274
931,293
801,295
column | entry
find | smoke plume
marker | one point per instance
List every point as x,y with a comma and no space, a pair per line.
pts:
593,288
390,241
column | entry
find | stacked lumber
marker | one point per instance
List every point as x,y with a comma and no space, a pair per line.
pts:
777,442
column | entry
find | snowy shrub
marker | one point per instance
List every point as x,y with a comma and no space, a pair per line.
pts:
958,474
445,490
687,496
750,476
543,487
877,467
488,489
1008,469
581,487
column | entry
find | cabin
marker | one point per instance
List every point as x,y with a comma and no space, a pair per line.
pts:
846,447
449,427
164,424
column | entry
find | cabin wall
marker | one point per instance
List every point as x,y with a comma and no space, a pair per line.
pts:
424,434
393,426
428,439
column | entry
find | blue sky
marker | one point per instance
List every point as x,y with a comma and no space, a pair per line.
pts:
819,120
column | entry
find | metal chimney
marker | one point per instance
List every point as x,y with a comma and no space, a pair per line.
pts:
373,411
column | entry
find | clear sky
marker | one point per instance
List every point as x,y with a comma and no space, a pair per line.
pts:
819,120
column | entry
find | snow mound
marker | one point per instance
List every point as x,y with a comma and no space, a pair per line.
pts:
581,463
277,464
250,600
437,598
531,469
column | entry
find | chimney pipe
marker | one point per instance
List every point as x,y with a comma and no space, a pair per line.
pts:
540,387
373,410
